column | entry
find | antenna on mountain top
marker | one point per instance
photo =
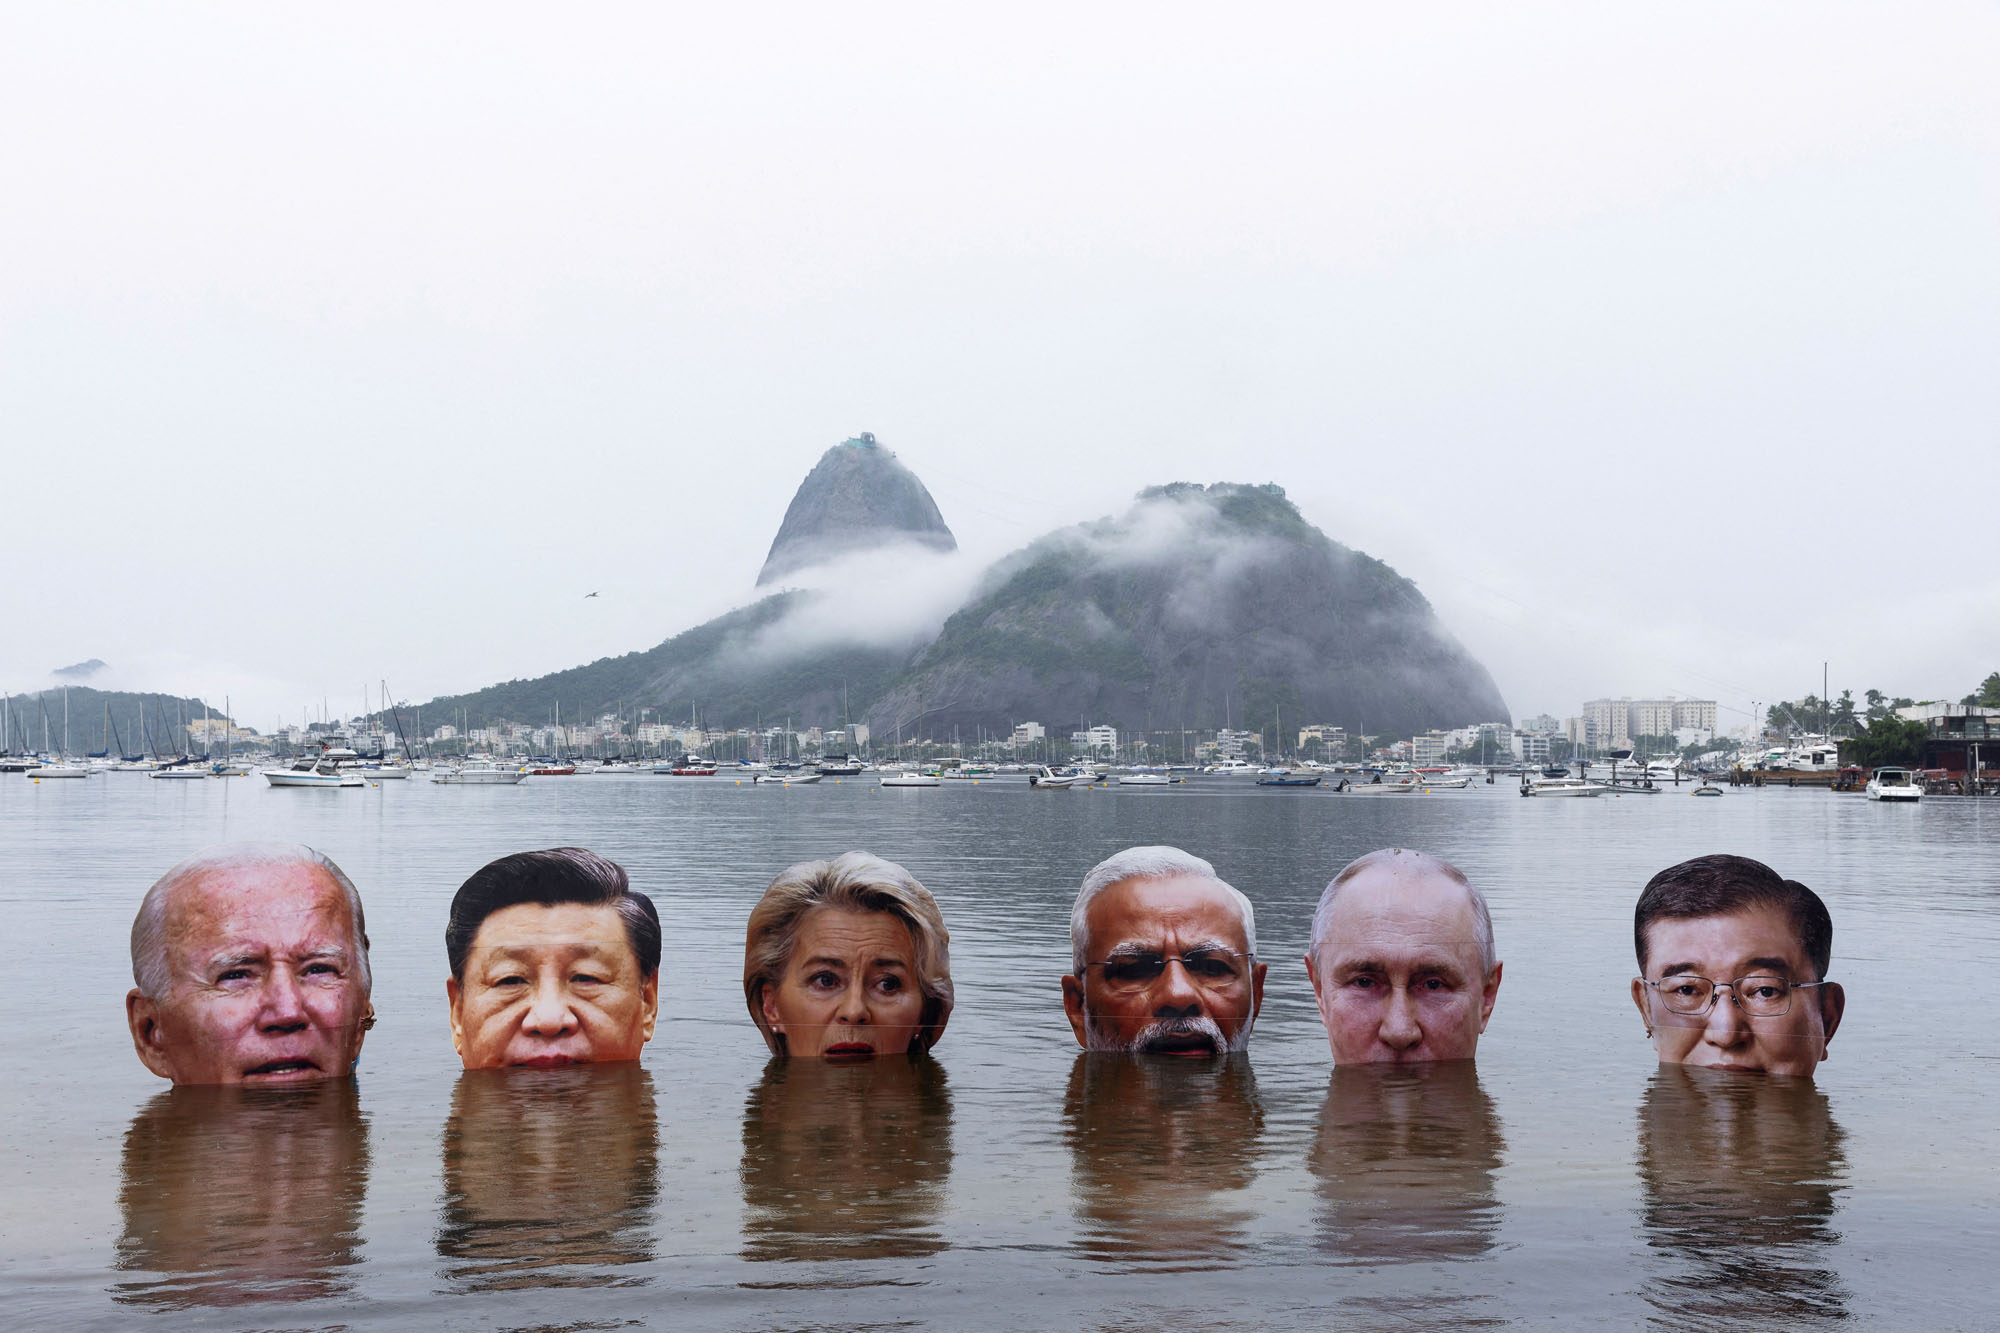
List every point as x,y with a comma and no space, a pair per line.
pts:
867,437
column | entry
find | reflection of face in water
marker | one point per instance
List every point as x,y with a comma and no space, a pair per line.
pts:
549,1176
1158,1147
243,1194
1405,1157
846,1160
1741,1178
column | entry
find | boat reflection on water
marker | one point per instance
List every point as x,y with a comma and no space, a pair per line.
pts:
846,1161
550,1176
1741,1176
1162,1152
232,1195
1404,1159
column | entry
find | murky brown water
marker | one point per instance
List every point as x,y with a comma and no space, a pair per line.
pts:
1009,1182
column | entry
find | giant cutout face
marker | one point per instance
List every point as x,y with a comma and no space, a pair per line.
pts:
1168,971
548,985
1769,1015
1400,972
265,980
849,989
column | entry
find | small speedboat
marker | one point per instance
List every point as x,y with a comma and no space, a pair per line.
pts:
792,779
1285,777
1143,779
1562,787
1894,784
911,780
1058,779
1708,789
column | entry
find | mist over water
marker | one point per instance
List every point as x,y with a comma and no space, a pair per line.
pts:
1009,1182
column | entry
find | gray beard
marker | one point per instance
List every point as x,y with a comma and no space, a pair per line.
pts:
1162,1028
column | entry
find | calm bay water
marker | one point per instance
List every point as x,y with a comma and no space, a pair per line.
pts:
1011,1183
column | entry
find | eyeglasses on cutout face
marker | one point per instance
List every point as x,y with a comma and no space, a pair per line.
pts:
1760,995
1211,969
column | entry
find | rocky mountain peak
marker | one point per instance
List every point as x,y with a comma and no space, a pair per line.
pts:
858,497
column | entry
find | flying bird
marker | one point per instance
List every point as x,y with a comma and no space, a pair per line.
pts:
587,596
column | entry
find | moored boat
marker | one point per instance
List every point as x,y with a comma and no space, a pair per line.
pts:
1562,787
1285,777
911,780
326,767
1894,784
1042,777
478,771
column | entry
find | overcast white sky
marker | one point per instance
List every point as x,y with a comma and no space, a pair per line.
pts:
1658,344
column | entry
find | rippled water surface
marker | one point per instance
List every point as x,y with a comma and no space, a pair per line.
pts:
1009,1183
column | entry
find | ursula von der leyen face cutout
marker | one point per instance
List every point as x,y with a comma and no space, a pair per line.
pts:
849,990
551,984
1169,971
265,981
1759,946
1399,975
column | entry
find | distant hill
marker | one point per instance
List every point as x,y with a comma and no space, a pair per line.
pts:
1200,605
856,498
144,723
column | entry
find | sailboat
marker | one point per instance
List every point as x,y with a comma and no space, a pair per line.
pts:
64,766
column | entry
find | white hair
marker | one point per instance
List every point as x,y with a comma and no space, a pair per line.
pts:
1148,863
152,973
1403,861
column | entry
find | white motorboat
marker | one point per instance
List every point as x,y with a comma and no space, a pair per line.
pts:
1143,779
180,773
478,771
1235,768
911,780
1394,784
385,772
323,769
1446,782
1894,784
1562,787
1058,779
792,779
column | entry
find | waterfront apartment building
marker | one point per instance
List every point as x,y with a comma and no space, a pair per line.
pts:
1427,749
1329,736
1027,733
1612,723
1099,739
1229,744
1532,747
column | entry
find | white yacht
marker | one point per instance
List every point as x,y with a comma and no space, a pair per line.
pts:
326,768
1235,768
478,771
1143,779
1894,784
911,780
1043,777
